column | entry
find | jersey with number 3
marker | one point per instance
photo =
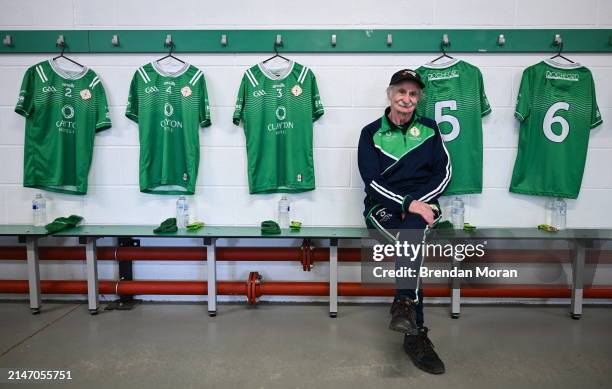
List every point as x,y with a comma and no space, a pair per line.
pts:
277,109
455,97
557,109
64,109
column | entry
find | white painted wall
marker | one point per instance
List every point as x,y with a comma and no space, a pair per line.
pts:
352,89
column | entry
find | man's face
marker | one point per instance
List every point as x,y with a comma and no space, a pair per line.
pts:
403,97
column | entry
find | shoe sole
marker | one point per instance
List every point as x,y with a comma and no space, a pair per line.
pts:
436,372
404,330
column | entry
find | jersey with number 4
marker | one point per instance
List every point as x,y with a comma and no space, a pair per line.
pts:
169,109
455,97
277,109
557,109
63,109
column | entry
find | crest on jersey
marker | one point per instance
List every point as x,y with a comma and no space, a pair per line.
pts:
281,112
186,91
67,112
296,90
415,132
85,94
168,109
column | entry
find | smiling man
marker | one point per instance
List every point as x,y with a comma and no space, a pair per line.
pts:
405,168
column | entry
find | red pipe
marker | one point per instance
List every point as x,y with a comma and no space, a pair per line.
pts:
292,289
275,254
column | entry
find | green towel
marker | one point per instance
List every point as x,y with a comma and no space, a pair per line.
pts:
445,225
62,223
468,227
195,226
547,228
168,225
270,227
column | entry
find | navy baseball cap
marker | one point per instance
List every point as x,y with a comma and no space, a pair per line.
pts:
406,75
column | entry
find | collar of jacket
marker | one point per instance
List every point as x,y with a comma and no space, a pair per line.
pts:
389,125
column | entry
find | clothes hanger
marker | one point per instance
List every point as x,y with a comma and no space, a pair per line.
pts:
169,55
444,55
63,46
559,55
276,54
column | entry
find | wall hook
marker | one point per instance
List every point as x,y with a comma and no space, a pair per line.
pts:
279,40
115,40
60,41
558,40
224,40
389,39
7,41
333,40
168,42
501,40
445,40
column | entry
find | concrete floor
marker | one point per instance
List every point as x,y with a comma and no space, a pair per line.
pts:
298,346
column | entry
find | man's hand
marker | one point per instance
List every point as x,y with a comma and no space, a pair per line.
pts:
423,209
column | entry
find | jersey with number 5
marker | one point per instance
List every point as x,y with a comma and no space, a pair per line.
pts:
455,98
557,108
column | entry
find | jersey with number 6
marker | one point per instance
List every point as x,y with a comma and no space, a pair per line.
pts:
557,109
169,109
455,97
63,109
278,109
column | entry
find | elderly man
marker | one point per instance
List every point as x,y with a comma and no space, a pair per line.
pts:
405,168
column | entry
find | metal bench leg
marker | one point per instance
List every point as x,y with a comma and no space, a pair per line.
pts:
33,273
333,277
455,292
577,278
92,275
212,275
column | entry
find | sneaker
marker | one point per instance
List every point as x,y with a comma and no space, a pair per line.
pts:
403,317
421,351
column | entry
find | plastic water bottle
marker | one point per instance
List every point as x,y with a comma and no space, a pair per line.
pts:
457,213
182,212
558,214
39,210
549,207
284,208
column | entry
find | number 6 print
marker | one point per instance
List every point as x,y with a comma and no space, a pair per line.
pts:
550,118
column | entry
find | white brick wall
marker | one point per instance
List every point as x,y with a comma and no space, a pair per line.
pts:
352,88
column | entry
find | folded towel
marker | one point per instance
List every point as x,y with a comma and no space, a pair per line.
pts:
168,225
62,223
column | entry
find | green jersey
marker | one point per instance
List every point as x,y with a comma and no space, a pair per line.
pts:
63,110
169,109
455,97
557,108
278,109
